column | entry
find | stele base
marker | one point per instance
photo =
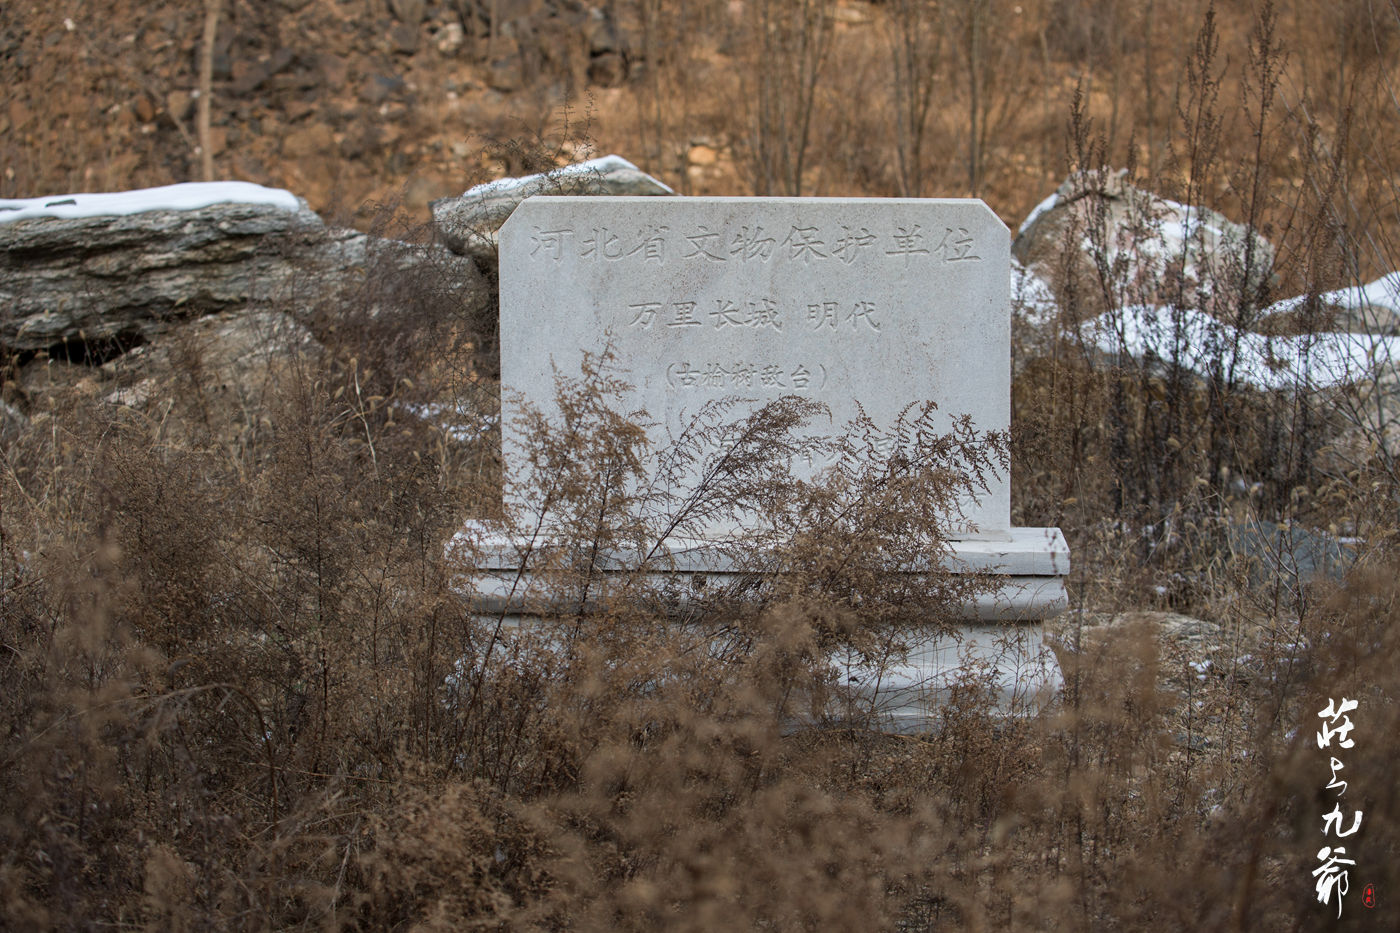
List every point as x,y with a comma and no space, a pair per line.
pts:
999,635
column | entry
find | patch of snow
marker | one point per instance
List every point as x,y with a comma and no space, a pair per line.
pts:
1041,208
458,421
1384,292
599,166
1197,340
1191,225
1031,295
185,197
1169,238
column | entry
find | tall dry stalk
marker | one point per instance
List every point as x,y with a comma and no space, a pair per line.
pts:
206,87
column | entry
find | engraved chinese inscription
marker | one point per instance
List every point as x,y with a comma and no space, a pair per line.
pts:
859,315
864,305
742,374
803,243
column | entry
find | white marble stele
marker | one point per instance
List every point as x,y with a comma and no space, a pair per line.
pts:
861,304
876,303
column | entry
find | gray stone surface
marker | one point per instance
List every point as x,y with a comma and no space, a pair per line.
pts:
1030,566
469,224
128,278
1154,250
855,303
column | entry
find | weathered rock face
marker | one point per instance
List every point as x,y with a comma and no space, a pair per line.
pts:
581,41
469,224
127,279
245,354
1147,249
99,285
196,314
207,380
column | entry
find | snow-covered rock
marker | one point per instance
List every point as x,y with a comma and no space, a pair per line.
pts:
469,224
1207,346
1125,246
98,274
184,197
1130,278
1034,316
1097,225
1372,308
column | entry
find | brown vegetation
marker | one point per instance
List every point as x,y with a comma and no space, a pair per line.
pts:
245,685
349,101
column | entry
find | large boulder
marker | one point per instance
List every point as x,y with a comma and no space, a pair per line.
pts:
1125,247
469,224
91,276
194,305
1129,276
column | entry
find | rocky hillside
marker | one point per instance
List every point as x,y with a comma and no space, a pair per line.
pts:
347,102
342,102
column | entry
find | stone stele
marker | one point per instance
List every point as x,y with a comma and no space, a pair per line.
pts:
849,301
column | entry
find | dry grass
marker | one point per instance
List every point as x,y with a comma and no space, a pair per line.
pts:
246,687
